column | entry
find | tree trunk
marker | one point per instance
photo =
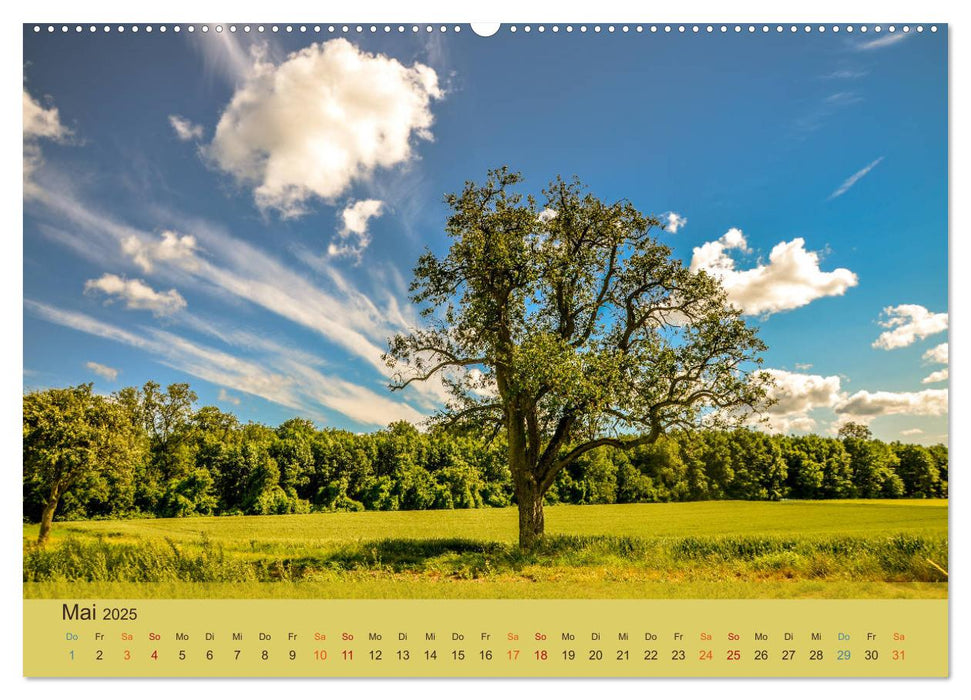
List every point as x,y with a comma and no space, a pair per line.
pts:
47,520
529,494
531,522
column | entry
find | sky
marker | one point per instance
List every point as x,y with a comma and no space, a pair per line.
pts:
242,211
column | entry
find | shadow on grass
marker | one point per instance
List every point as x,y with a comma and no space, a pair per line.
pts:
401,555
408,555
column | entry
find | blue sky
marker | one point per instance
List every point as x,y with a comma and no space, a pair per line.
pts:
242,212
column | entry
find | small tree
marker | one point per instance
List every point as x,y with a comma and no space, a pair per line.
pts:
69,435
854,431
567,325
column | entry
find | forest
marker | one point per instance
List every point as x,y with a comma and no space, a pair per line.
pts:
151,452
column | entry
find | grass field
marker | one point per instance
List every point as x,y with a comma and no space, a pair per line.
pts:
844,549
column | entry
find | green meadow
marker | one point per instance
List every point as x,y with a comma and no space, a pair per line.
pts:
712,549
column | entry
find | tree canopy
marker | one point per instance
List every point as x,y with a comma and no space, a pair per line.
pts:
564,323
69,435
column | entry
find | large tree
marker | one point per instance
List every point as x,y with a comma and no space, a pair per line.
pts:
564,322
72,434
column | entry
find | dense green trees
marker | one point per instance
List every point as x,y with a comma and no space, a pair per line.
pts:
91,456
818,468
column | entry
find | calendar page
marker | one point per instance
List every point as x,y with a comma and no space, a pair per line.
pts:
511,350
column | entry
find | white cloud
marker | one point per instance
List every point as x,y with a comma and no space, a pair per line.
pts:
477,382
911,431
804,365
789,424
934,377
327,116
795,396
937,354
136,294
866,405
39,124
184,129
798,395
734,238
791,279
546,215
109,373
353,236
674,221
854,178
908,323
171,247
226,397
711,256
881,42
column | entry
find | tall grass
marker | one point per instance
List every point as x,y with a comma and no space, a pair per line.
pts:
99,560
898,557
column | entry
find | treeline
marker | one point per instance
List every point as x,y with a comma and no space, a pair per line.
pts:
169,459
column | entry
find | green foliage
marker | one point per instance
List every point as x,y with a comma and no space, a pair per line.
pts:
223,467
564,323
189,495
874,464
79,446
918,468
858,431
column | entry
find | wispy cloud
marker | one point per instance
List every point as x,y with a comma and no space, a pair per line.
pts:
225,397
281,378
854,178
184,129
231,267
229,56
845,74
824,109
222,266
881,42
